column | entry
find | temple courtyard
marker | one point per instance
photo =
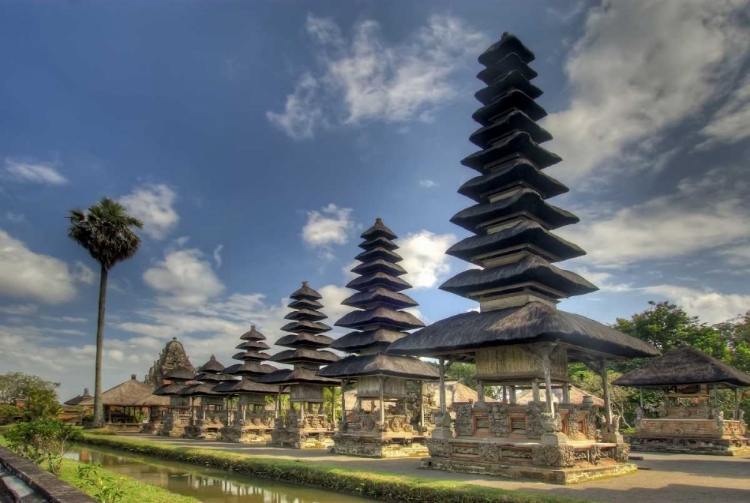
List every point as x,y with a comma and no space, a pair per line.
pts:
660,477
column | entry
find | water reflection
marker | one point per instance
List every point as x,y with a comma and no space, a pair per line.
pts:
208,485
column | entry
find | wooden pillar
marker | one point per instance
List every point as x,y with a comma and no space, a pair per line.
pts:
442,386
480,391
512,394
535,390
333,405
343,400
736,404
382,402
421,403
278,404
605,387
109,414
640,389
505,394
548,380
566,393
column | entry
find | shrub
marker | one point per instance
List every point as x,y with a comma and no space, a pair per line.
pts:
44,440
104,430
9,414
104,488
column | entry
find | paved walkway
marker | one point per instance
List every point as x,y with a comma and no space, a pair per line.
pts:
662,478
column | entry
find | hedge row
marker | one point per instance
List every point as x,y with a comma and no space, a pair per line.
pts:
380,486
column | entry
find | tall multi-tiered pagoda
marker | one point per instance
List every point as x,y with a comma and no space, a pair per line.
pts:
252,423
207,420
519,338
305,425
396,428
180,410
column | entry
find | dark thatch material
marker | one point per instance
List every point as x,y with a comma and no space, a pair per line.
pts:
245,387
508,64
518,233
125,394
518,172
378,230
379,265
304,355
78,399
379,295
512,80
305,314
305,304
508,44
249,368
211,366
213,378
368,281
533,322
152,400
378,241
515,120
306,326
682,366
297,376
252,345
530,268
475,217
305,292
380,364
519,143
250,355
305,340
253,335
379,253
169,389
353,342
576,396
511,99
382,316
204,389
180,374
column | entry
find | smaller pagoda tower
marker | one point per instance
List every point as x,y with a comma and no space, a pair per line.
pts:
179,414
305,425
396,428
251,423
207,420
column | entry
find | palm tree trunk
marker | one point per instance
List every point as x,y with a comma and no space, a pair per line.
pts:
98,421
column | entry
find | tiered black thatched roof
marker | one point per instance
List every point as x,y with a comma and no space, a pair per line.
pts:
211,374
306,342
178,377
683,366
512,223
251,369
381,320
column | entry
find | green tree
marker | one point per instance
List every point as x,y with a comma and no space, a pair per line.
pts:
15,385
105,231
41,404
45,440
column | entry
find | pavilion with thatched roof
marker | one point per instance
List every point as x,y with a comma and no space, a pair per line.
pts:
690,418
519,338
397,428
180,412
208,419
123,408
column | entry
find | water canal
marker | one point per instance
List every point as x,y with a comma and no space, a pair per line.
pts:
206,484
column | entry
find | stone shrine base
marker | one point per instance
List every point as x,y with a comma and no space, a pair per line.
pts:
374,446
245,434
691,445
301,439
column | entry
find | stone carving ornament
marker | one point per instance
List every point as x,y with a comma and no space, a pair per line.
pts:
489,452
438,448
533,419
464,419
559,456
499,422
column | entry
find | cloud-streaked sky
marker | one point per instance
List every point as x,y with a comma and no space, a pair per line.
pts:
256,140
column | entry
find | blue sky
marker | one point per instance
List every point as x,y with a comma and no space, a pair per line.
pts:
258,139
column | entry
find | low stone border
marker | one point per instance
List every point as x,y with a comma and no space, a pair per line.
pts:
43,483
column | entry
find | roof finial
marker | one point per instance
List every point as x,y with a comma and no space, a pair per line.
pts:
506,34
212,357
174,338
378,220
252,326
304,283
133,377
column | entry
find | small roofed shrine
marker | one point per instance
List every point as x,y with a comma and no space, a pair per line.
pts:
305,424
179,414
690,418
208,418
251,422
519,338
393,429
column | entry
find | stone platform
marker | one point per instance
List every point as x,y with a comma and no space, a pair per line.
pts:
383,447
717,437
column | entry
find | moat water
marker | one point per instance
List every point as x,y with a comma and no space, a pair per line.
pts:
206,484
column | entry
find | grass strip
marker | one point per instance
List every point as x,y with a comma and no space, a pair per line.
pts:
132,491
380,486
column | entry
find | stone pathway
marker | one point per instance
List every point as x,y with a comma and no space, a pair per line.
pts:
662,478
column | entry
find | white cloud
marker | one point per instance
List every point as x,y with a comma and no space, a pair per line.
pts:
217,255
330,226
731,123
184,278
26,274
737,255
427,184
15,218
83,273
332,297
605,281
367,79
709,306
25,172
706,213
424,257
153,205
641,67
19,309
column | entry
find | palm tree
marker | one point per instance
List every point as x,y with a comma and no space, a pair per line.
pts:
104,230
